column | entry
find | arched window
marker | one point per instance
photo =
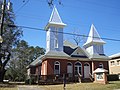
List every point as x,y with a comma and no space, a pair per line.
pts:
57,67
100,65
78,68
86,64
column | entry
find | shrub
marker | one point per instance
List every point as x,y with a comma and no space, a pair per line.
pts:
27,81
32,80
112,77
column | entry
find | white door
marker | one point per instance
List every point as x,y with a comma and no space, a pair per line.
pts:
86,70
69,69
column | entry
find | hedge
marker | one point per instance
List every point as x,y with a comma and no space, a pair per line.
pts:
112,77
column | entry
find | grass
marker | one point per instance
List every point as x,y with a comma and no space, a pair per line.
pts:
8,87
114,85
84,86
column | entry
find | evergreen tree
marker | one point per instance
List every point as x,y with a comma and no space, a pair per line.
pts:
22,56
11,37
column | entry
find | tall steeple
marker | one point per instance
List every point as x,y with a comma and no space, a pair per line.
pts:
94,43
55,19
54,37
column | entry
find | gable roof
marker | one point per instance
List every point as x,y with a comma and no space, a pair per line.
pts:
115,56
79,52
94,37
100,70
72,50
35,62
69,47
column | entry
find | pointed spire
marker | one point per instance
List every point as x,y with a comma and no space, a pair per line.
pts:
55,19
94,37
55,16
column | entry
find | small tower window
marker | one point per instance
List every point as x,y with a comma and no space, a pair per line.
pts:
56,38
56,43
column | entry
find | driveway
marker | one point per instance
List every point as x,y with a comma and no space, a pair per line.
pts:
27,87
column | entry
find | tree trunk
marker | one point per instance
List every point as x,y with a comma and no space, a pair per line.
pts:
2,73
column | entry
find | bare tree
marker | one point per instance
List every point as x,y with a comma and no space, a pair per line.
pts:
77,37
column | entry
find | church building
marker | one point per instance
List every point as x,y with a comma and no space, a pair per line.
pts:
64,57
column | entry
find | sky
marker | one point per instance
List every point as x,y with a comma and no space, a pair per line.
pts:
77,14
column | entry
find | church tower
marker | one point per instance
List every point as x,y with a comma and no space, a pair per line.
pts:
94,43
54,28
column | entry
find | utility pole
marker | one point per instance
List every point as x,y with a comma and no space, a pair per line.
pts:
1,39
2,21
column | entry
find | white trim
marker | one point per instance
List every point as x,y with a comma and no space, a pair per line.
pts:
79,50
56,64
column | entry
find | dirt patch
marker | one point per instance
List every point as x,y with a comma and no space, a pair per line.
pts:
7,86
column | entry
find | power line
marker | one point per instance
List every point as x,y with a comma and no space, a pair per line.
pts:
39,29
22,5
108,27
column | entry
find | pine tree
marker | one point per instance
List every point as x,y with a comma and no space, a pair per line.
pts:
11,37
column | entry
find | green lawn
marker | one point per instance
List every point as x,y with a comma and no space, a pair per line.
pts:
85,86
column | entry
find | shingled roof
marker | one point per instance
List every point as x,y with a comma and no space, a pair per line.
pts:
35,62
69,48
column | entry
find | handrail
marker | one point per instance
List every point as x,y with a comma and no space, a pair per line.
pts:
91,76
79,77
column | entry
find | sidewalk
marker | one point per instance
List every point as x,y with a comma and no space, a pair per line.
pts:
27,87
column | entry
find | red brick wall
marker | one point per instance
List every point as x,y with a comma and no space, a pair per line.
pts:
32,70
49,65
38,69
44,66
105,64
50,68
63,65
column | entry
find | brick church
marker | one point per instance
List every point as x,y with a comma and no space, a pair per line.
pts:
64,57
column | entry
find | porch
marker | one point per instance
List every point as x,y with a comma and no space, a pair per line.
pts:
60,78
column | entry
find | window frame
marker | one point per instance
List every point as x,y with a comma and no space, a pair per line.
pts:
78,67
55,70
